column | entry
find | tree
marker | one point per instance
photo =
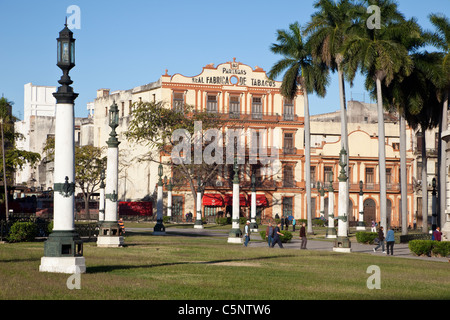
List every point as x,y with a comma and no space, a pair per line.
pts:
441,40
328,30
12,157
380,54
153,124
306,72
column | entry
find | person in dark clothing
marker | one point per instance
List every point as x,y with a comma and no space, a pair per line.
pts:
303,236
380,239
276,236
282,223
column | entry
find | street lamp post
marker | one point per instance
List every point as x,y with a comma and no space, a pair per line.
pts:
361,225
63,250
198,220
235,234
109,233
159,228
331,230
169,197
321,191
342,242
101,206
433,206
253,224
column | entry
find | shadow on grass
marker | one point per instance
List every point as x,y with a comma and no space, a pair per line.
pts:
110,268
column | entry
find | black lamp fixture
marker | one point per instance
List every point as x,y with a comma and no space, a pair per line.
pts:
65,61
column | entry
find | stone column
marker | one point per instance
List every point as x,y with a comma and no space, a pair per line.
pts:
169,199
63,250
342,242
321,191
361,226
235,233
109,233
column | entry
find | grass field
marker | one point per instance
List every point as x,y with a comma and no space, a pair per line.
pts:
208,268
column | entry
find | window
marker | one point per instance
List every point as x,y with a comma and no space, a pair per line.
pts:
256,108
396,146
288,143
211,103
178,101
288,176
235,107
313,177
287,207
370,178
288,110
419,138
327,175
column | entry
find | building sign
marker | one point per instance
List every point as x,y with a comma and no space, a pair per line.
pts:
230,73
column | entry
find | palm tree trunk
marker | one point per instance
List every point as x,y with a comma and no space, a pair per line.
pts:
424,185
307,161
4,174
443,163
381,154
403,182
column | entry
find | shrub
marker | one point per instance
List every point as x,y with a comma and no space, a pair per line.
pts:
441,248
22,231
421,247
223,220
286,237
366,237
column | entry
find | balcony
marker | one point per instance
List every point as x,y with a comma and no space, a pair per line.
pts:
257,116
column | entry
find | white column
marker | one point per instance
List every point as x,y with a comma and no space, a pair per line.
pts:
361,214
198,221
235,233
111,204
63,205
331,232
101,206
253,225
169,204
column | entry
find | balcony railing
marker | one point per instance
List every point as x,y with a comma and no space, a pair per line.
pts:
264,116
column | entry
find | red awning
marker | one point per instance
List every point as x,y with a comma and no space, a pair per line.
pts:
242,200
212,200
261,200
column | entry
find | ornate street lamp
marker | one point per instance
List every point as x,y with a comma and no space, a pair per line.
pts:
433,205
342,243
361,225
63,250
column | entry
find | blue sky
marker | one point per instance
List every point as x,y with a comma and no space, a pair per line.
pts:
124,44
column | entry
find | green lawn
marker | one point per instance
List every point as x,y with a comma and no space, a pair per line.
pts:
206,268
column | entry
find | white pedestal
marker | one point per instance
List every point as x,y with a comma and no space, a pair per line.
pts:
63,265
234,240
109,241
345,250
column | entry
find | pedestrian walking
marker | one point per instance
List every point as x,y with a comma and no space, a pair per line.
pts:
415,223
303,236
276,236
286,221
380,240
437,234
121,227
246,233
373,227
282,222
293,225
269,233
390,240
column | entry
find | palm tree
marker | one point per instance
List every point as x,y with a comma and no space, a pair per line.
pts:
441,40
5,119
301,69
328,30
415,98
380,55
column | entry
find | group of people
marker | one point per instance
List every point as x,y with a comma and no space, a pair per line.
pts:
273,235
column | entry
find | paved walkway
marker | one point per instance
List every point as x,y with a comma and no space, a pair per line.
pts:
400,250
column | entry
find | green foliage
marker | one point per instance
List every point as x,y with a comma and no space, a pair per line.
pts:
366,237
428,247
223,220
22,231
286,237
